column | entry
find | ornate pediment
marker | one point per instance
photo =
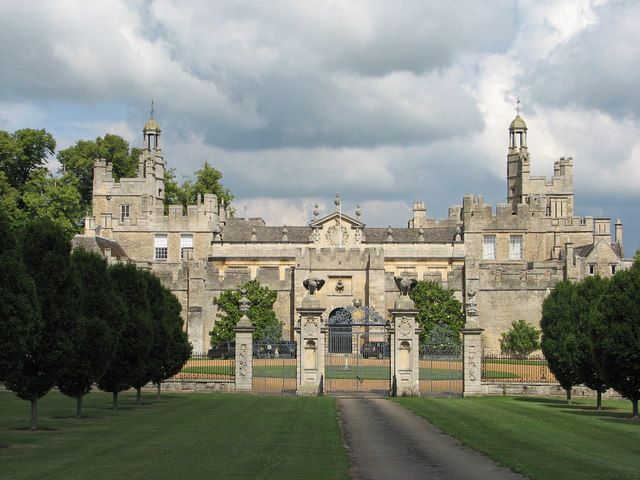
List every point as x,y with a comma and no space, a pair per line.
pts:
345,220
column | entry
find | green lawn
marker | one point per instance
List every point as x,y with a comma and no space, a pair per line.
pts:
195,436
542,438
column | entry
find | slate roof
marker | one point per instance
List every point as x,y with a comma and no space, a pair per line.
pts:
99,244
585,250
239,231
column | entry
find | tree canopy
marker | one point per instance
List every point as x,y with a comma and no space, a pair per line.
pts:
208,180
261,313
437,306
24,151
618,351
521,339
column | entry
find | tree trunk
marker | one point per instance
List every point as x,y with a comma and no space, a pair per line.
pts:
159,384
569,396
79,406
635,409
138,395
599,401
114,406
34,413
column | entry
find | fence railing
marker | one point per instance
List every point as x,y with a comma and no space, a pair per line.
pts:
513,369
274,367
201,367
441,370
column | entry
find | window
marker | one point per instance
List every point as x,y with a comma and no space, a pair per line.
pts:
161,247
489,247
186,243
592,269
515,247
613,269
124,212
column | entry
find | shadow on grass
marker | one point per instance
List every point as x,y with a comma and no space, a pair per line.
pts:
605,414
73,417
545,400
37,430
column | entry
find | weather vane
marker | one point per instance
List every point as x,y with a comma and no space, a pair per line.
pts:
152,110
518,106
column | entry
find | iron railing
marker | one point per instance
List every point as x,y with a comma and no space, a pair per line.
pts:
274,367
201,367
441,371
514,369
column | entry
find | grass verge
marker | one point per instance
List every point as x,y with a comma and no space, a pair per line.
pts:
542,438
179,436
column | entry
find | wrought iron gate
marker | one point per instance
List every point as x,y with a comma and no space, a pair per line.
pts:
274,367
358,353
441,371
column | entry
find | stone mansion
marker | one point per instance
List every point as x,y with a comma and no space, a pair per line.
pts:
508,257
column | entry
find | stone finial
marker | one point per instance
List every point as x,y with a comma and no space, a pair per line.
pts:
254,237
421,234
243,305
405,284
316,211
312,285
458,235
358,211
389,234
285,238
336,202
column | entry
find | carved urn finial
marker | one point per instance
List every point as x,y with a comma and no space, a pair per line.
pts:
336,202
358,211
285,231
316,212
244,302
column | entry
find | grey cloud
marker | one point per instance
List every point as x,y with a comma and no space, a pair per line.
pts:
598,68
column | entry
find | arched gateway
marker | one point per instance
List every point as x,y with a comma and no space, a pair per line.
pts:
358,352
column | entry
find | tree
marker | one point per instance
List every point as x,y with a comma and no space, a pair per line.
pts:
96,333
618,351
172,348
260,313
78,160
591,292
20,320
437,306
561,344
24,151
46,253
207,181
136,338
521,339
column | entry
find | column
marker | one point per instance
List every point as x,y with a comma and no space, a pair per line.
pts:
244,349
310,337
472,350
405,348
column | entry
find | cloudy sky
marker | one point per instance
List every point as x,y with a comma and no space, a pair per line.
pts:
384,102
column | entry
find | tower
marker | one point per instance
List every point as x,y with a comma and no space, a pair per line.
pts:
518,164
151,163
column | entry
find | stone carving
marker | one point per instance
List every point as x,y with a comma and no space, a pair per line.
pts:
316,211
471,307
358,236
404,326
358,211
472,363
311,327
315,235
357,302
243,363
405,284
333,234
312,285
340,286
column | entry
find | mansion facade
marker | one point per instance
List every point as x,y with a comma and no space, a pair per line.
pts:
508,258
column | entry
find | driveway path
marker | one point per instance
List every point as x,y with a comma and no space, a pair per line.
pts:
386,441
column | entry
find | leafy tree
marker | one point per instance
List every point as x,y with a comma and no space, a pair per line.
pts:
260,313
521,339
78,161
54,199
95,335
618,351
172,348
136,339
24,151
20,320
46,253
207,181
591,292
561,341
437,306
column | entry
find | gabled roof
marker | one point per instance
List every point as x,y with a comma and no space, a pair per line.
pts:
334,215
100,245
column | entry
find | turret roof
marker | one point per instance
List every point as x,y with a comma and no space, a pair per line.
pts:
518,124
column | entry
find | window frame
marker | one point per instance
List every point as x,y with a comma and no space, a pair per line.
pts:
512,252
160,252
485,244
183,245
123,207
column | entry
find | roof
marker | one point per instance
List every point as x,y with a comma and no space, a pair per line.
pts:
241,231
100,245
585,250
518,124
152,125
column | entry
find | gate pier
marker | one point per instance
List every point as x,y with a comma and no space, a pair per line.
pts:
310,341
405,351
